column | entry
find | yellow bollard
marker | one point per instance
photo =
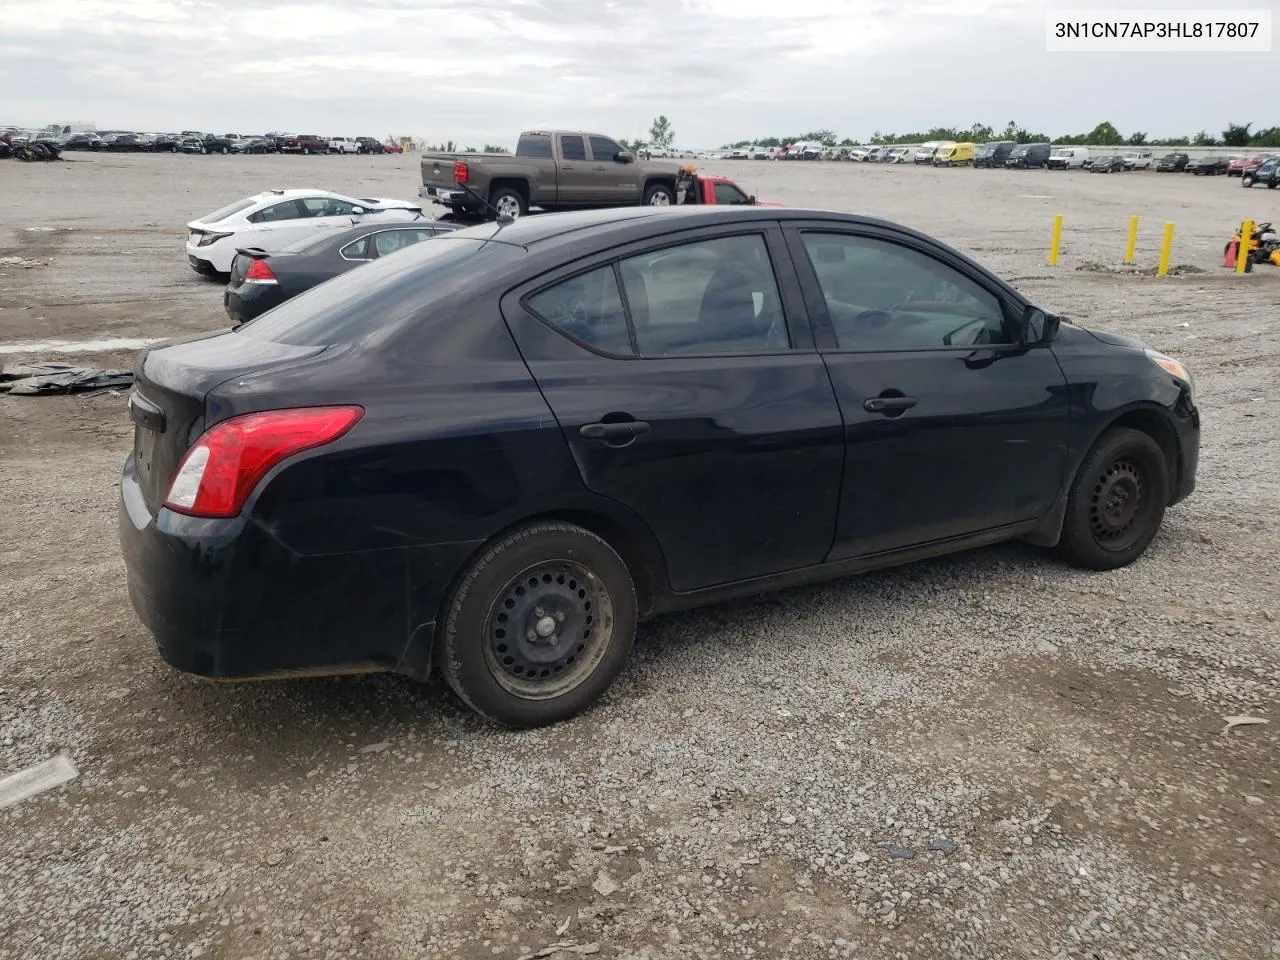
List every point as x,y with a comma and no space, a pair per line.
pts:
1133,240
1242,253
1056,241
1165,249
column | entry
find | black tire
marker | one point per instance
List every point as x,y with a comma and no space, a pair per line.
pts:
225,151
658,195
306,151
510,201
1247,181
1116,502
175,149
545,576
1271,185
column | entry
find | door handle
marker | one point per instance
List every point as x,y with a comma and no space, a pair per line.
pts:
889,405
625,430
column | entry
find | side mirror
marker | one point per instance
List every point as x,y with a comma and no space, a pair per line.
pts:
623,156
1037,327
752,200
357,211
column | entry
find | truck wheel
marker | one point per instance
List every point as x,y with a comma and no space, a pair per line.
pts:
1246,181
539,626
658,195
306,151
508,201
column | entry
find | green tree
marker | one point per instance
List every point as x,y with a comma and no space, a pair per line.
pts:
1137,139
1104,135
1202,139
661,133
493,148
1270,137
1236,135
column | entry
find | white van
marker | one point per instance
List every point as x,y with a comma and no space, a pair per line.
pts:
926,151
1067,158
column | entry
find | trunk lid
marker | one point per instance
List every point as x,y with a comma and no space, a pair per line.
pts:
171,383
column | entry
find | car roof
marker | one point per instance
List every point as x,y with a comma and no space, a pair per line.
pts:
271,196
340,238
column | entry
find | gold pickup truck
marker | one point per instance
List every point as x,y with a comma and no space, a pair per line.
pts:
551,169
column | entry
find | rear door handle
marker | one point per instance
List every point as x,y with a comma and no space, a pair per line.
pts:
889,405
623,430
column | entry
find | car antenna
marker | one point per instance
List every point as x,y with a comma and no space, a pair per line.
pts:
502,219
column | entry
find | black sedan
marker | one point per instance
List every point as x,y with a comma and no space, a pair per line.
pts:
493,453
1107,165
254,145
1172,163
262,280
1208,166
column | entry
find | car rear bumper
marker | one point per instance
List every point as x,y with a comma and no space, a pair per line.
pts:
224,599
250,300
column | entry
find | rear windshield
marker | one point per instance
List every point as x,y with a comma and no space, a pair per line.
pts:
385,291
229,210
534,145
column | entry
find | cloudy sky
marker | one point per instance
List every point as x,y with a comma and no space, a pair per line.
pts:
480,70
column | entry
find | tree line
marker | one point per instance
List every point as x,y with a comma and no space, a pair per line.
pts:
1104,134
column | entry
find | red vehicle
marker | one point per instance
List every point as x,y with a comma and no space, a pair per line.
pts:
692,187
304,143
1242,165
392,146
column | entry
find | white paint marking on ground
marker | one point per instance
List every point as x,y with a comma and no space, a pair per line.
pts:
1033,196
36,779
78,346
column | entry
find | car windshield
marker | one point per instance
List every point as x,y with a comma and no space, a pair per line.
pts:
229,210
354,304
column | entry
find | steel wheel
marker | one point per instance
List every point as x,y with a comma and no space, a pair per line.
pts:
548,629
1118,505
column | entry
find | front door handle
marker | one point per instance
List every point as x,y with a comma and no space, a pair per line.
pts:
889,406
624,430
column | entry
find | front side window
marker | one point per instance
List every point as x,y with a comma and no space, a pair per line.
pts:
572,148
883,296
604,149
355,250
727,193
708,297
327,207
587,308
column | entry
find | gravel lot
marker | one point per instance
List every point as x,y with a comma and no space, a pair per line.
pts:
989,755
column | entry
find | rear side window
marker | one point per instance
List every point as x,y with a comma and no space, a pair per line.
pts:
327,207
389,241
534,145
356,250
572,148
587,308
284,210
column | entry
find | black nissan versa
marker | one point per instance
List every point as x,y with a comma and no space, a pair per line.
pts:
492,453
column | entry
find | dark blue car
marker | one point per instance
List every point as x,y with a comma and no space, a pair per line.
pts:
492,454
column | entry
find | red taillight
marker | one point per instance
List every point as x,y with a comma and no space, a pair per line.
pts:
219,472
208,239
259,272
460,172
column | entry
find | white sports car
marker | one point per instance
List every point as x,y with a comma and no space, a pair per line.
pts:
277,218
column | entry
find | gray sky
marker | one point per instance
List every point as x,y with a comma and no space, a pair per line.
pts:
481,70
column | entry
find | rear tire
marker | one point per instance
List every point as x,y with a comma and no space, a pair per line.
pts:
539,626
659,195
510,201
1116,502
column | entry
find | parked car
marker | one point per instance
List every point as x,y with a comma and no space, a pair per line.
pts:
1028,155
261,280
121,143
1237,166
926,150
343,145
858,154
390,146
277,218
1067,158
1206,166
1138,160
304,143
1107,164
254,145
1267,172
900,155
956,155
216,144
491,459
76,141
993,154
1172,163
552,169
369,145
737,153
192,145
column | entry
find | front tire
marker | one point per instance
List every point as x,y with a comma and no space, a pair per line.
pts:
539,626
1117,501
659,195
1246,181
